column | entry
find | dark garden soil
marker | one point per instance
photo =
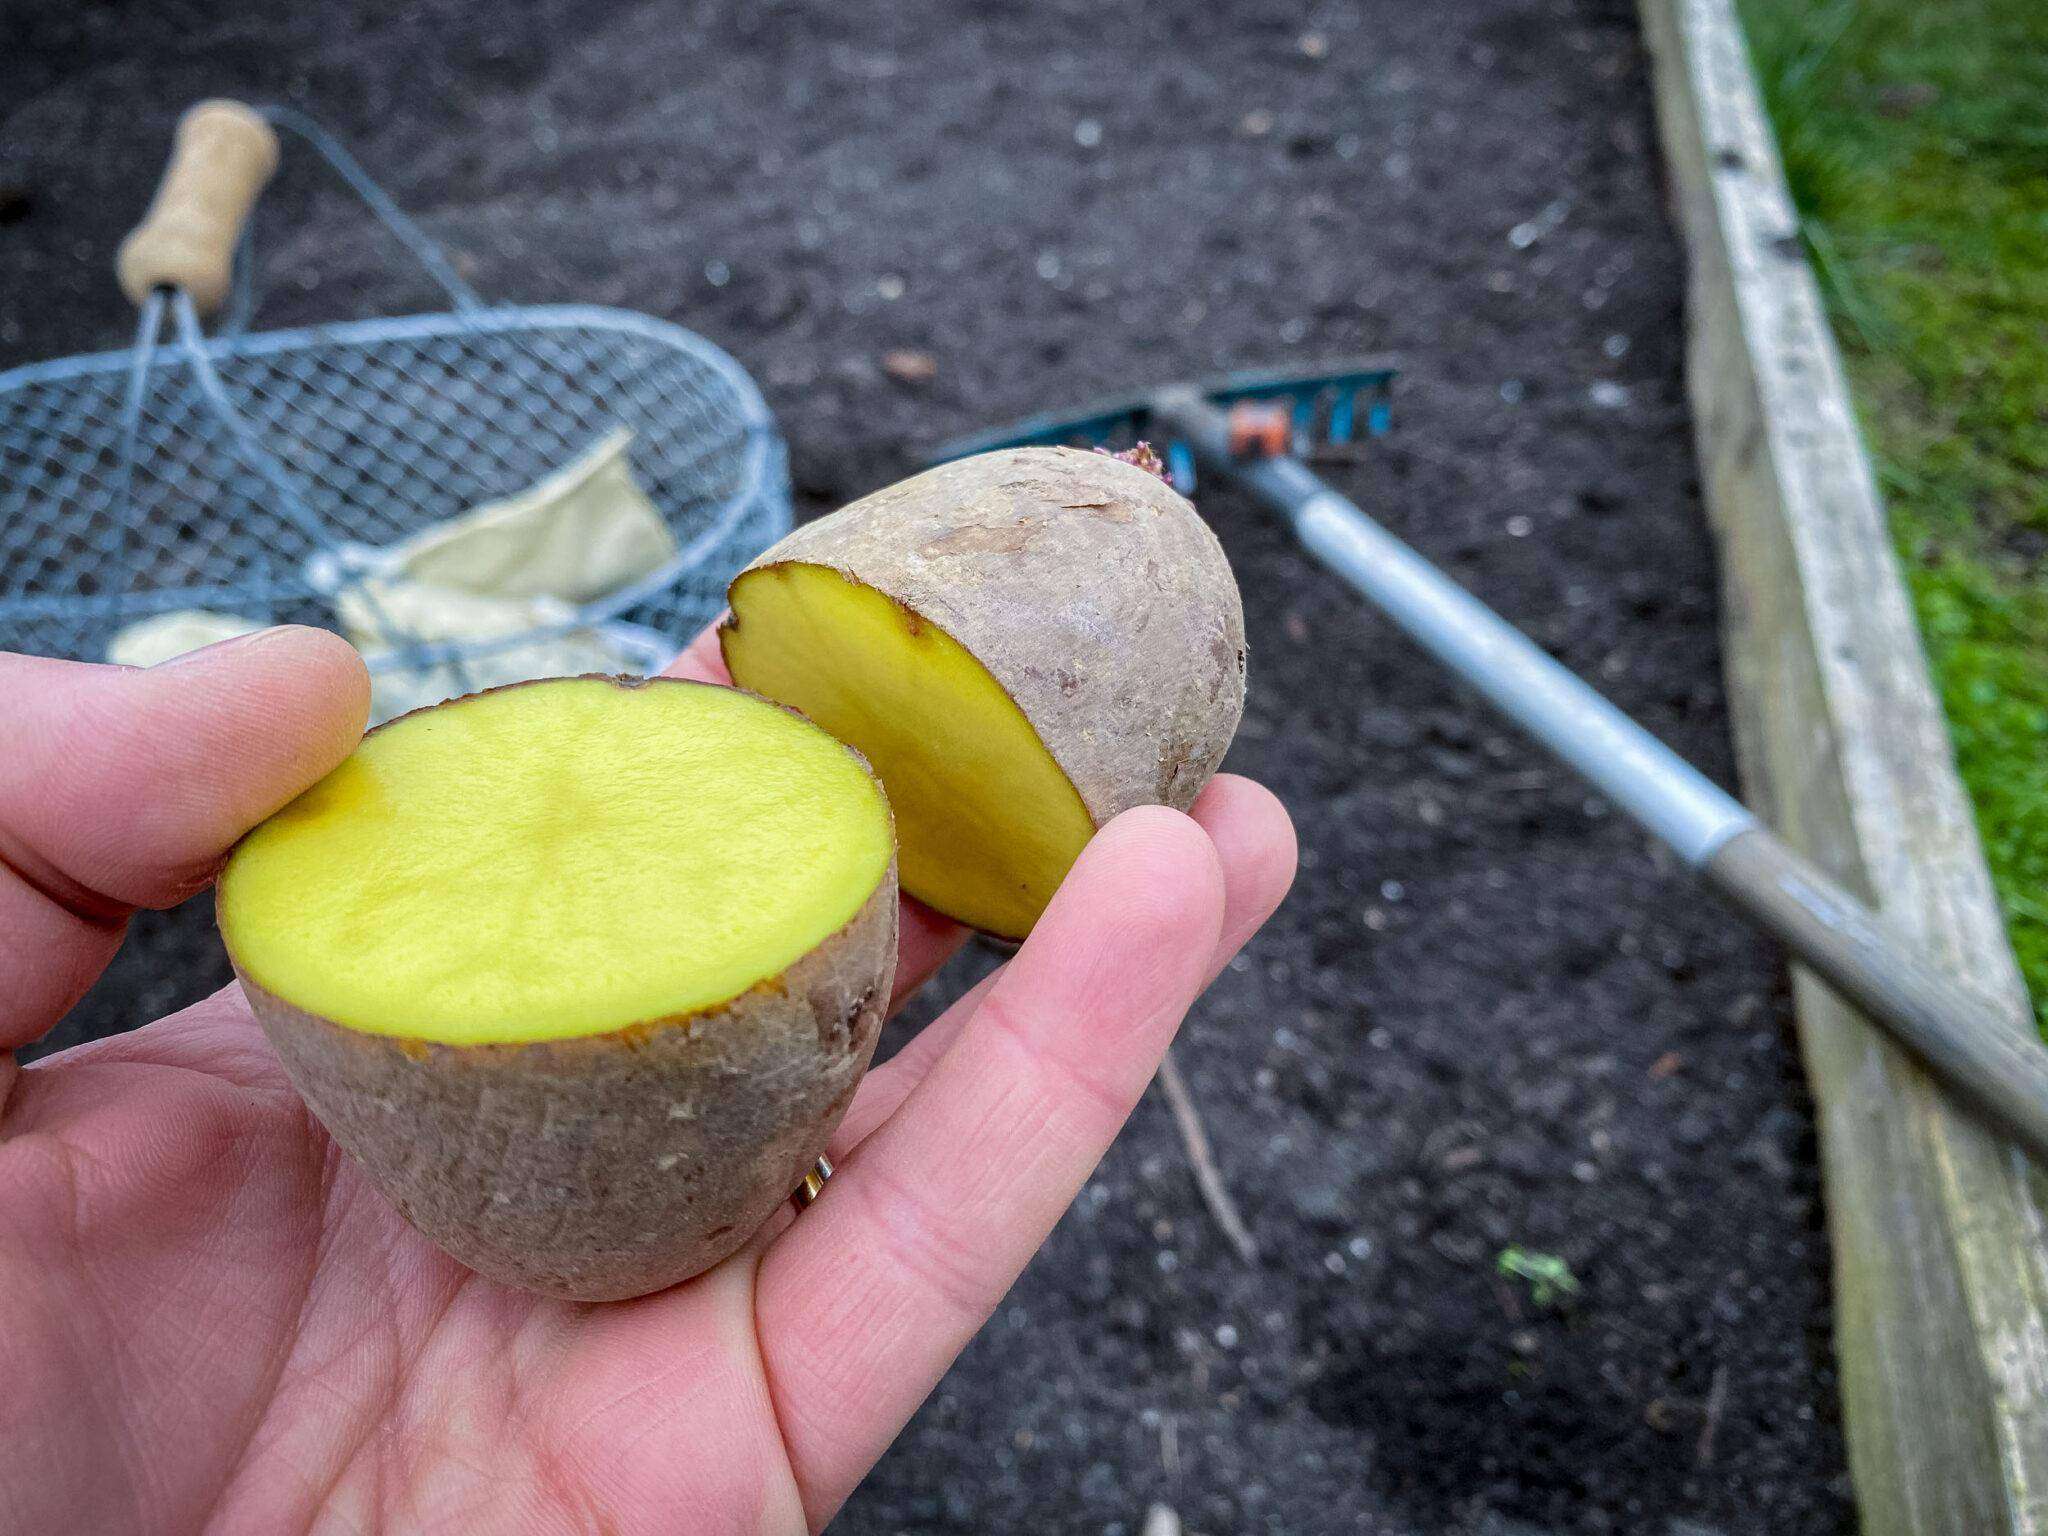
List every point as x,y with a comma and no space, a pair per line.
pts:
1490,1015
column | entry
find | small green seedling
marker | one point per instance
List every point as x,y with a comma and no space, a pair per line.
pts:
1550,1279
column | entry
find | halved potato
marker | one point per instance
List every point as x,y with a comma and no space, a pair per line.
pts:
583,972
1024,644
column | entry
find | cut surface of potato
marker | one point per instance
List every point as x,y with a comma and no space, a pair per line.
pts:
988,820
1025,644
556,860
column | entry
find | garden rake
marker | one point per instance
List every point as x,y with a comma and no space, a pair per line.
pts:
247,479
1247,427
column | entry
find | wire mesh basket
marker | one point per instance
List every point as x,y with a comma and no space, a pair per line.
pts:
260,474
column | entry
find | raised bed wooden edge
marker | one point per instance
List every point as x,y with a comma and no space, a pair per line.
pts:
1939,1230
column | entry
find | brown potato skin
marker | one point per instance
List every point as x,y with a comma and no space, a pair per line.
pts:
611,1165
1091,591
541,1164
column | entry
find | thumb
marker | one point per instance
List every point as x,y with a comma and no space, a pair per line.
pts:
122,788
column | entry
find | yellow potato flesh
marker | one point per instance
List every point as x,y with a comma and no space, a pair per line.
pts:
988,823
554,860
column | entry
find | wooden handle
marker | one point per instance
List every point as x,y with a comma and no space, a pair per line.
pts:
1996,1064
221,157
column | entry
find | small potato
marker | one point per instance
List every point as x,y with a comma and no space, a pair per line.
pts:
583,972
1024,644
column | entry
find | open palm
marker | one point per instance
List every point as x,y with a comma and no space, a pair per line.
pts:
213,1322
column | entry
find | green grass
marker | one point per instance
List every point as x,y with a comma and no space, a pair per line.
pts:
1915,136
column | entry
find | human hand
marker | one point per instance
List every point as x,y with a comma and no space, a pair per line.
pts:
213,1321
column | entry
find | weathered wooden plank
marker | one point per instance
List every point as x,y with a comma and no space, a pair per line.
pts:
1938,1230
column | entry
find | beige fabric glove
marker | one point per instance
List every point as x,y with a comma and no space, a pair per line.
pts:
374,612
585,531
501,569
164,635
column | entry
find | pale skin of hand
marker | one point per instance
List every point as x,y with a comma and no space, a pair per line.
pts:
209,1321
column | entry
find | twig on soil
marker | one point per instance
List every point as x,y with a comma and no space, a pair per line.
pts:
1207,1177
1160,1520
1169,1445
1717,1404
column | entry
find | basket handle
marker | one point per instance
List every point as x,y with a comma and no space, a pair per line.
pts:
221,157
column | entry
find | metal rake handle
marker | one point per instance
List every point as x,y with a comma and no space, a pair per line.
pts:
1992,1061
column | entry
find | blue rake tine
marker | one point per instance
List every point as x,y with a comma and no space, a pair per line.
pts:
1342,416
1308,393
1380,418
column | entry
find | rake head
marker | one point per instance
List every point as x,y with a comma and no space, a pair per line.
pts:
1270,413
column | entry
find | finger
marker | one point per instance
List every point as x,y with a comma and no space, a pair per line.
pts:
884,1089
1254,840
122,788
924,940
869,1296
702,660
